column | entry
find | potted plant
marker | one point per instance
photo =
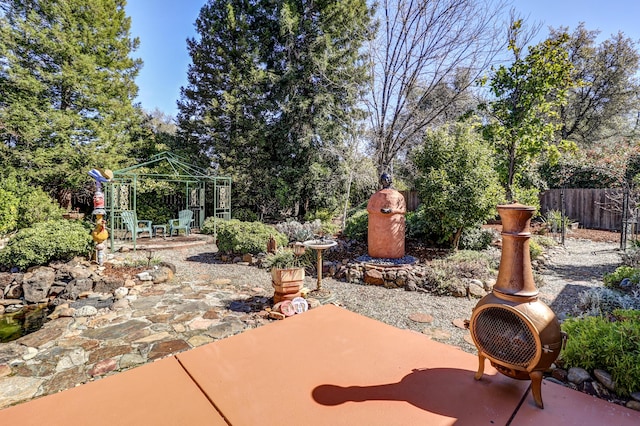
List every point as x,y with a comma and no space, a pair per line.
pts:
287,273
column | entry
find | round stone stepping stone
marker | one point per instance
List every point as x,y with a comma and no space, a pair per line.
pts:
421,317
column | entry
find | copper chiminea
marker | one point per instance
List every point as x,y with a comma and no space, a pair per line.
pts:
519,334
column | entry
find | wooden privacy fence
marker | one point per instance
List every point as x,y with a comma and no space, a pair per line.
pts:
411,199
592,208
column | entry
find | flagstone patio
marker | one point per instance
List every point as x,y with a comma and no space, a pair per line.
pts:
326,366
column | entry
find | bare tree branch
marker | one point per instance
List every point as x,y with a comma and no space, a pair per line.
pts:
423,45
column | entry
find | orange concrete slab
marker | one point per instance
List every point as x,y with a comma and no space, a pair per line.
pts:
160,393
567,407
330,366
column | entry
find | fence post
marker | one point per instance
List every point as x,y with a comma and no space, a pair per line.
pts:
625,224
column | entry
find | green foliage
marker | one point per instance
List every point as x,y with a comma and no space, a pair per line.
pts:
356,226
605,76
284,258
443,275
45,242
456,182
323,215
151,206
614,278
244,215
37,206
234,236
544,241
528,94
613,346
488,261
67,84
33,204
8,211
526,196
555,222
476,238
535,249
271,85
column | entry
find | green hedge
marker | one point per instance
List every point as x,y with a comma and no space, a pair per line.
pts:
234,236
610,345
45,242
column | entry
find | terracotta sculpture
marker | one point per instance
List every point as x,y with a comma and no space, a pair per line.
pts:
386,230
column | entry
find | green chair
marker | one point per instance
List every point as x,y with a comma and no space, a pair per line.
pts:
182,222
132,224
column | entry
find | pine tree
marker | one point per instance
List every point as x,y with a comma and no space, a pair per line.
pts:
68,87
271,84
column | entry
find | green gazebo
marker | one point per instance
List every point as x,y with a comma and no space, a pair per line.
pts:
203,193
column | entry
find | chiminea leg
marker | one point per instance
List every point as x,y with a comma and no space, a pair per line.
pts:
480,372
536,387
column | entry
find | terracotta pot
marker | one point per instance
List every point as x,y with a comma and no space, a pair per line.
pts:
287,283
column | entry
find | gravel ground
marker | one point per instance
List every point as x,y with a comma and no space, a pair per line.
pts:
567,271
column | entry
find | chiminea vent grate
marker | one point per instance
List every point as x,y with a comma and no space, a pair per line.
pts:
504,336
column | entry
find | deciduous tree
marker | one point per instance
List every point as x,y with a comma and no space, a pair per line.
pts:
605,100
527,97
427,56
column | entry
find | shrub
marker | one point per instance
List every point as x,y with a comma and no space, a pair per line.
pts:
322,214
555,222
602,301
45,242
244,215
357,225
234,236
297,231
456,181
535,249
526,196
284,259
614,278
151,206
544,241
613,346
22,205
443,276
476,238
37,206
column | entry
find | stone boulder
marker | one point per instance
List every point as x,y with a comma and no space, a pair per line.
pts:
37,282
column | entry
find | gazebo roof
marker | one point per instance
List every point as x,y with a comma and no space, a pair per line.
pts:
180,167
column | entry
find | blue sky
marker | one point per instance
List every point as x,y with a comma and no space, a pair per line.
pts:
164,25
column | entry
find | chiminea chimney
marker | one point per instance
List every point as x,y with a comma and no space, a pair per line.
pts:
519,334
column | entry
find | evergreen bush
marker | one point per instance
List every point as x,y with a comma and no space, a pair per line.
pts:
476,238
535,249
614,278
356,226
613,346
234,236
297,231
22,205
45,242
